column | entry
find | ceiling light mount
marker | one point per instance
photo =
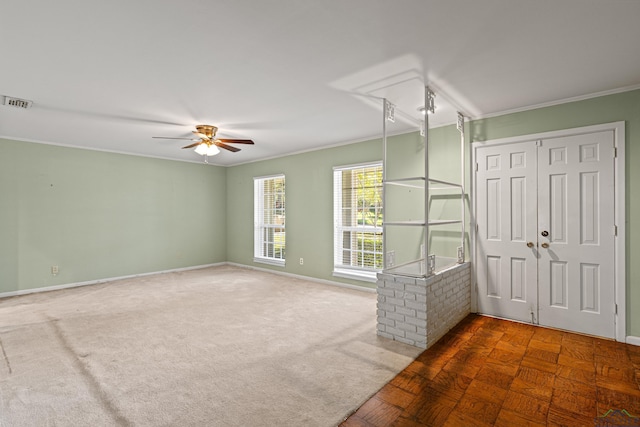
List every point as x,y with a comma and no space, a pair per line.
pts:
430,108
389,111
207,130
424,111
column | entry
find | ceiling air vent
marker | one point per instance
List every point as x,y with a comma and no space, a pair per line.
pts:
17,102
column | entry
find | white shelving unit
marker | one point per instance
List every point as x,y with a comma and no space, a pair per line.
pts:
426,264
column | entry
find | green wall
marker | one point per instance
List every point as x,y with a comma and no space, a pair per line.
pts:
309,183
98,215
606,109
309,209
309,192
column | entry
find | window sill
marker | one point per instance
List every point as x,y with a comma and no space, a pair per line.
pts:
363,276
270,261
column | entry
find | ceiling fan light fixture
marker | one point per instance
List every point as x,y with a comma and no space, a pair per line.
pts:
201,149
212,150
207,150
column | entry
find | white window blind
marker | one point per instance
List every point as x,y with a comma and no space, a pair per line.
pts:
269,220
358,216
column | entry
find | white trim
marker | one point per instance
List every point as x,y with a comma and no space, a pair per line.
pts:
633,340
471,117
175,270
349,142
278,175
326,147
104,150
557,102
364,276
375,163
307,278
109,279
614,126
270,261
619,142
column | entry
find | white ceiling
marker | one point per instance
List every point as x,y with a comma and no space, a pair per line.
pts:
295,75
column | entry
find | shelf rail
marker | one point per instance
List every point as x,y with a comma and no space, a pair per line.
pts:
427,262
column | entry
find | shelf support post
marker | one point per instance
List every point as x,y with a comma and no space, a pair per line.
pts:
386,106
429,109
461,252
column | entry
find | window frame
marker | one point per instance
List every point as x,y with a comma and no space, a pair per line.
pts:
261,224
340,269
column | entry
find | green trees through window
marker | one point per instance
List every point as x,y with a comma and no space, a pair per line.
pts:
269,218
358,217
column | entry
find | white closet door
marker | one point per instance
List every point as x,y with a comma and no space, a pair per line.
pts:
506,217
576,221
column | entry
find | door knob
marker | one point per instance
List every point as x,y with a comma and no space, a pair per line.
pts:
545,233
529,244
545,245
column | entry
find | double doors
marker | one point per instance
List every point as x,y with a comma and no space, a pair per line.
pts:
545,232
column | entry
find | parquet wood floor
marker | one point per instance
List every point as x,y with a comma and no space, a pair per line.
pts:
491,372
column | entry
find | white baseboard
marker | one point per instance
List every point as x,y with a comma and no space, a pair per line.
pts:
633,340
195,267
95,282
308,278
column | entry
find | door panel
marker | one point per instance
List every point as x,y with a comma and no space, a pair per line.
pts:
575,206
507,271
558,195
558,208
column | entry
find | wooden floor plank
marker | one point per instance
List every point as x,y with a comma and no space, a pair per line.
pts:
489,371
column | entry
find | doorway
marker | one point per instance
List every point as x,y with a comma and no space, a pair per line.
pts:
547,241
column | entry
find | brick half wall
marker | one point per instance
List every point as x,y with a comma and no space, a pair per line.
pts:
448,301
419,311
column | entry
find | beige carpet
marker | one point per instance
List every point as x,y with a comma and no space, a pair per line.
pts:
220,346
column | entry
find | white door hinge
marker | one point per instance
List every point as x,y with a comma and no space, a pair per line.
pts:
615,230
476,166
539,143
616,308
615,152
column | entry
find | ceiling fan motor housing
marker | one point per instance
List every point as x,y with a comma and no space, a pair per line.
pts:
208,130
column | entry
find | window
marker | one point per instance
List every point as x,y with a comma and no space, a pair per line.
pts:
357,201
269,234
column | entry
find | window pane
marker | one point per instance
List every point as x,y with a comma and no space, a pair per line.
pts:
358,211
269,217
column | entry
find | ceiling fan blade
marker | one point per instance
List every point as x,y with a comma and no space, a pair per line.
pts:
226,147
193,145
236,141
170,137
201,135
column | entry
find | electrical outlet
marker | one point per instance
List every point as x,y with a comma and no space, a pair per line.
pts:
301,261
54,269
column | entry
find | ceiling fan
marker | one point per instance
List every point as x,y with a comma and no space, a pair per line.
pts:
208,144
